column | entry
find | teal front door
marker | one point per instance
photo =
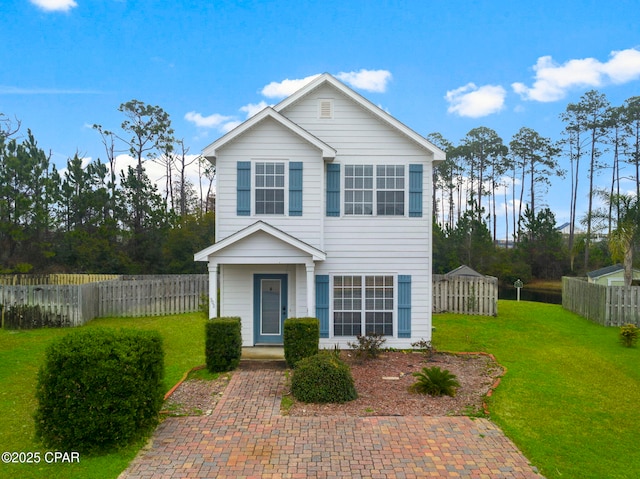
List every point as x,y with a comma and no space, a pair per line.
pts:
269,307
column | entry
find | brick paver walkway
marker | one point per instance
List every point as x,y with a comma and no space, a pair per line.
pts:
246,437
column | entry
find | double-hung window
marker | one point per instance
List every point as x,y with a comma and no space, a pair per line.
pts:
390,190
358,190
362,305
269,188
379,190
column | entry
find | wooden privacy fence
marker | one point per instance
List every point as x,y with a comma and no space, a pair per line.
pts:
30,306
140,296
61,279
465,295
27,307
606,305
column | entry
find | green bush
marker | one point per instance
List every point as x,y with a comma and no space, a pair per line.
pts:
99,389
223,344
629,335
435,382
301,339
323,378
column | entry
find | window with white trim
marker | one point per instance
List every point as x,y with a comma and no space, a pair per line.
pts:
363,304
269,188
390,190
385,185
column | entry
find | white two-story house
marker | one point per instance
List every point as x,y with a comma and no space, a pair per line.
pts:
323,209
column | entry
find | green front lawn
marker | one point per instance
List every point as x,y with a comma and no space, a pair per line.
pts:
569,400
22,352
571,397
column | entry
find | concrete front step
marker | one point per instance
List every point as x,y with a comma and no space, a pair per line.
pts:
263,353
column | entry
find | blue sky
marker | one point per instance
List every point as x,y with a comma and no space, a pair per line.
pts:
445,66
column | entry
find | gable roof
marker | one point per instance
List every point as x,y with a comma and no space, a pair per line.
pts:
607,270
325,78
464,270
210,152
314,253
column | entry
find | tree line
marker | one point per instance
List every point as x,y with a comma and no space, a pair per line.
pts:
93,217
482,171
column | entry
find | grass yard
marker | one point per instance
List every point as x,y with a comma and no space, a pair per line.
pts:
571,396
22,352
569,400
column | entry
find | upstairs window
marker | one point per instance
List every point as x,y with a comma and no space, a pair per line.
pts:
384,184
390,190
269,188
358,190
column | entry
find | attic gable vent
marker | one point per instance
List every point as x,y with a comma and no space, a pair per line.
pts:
325,109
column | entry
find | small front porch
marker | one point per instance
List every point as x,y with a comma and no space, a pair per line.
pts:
263,276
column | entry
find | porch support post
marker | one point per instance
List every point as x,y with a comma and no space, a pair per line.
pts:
213,289
311,290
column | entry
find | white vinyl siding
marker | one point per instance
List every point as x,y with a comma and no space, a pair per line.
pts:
271,142
371,245
353,131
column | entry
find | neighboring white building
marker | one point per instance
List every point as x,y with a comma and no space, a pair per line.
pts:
323,209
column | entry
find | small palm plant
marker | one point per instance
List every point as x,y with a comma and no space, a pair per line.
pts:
435,382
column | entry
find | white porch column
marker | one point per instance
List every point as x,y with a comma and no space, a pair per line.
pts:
213,289
311,293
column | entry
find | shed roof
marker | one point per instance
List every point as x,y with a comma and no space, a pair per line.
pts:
464,270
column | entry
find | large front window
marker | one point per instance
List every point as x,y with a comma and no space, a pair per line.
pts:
369,190
362,305
269,188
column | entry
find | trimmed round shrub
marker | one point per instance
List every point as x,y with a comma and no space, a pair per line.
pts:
99,389
223,344
301,339
323,378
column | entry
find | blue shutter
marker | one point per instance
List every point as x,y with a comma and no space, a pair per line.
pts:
243,186
404,306
415,191
295,188
322,303
333,189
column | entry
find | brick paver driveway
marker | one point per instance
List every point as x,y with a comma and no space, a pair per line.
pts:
246,437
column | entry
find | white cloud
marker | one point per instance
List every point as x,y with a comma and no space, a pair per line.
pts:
624,66
375,81
553,81
254,108
475,102
211,121
369,80
285,87
55,5
230,125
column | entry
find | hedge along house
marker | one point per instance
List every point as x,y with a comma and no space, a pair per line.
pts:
323,209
